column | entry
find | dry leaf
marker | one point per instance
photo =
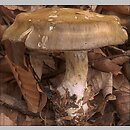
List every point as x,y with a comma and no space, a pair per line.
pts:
2,29
11,101
120,60
100,81
6,121
88,94
8,16
15,52
123,105
126,69
26,8
122,9
36,61
41,63
105,65
106,119
30,121
121,83
96,105
48,60
122,97
7,117
28,86
4,67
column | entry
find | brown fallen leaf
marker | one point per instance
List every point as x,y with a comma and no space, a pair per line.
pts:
6,121
97,105
7,15
126,68
113,50
42,63
123,105
122,9
30,121
105,65
8,84
8,117
26,8
49,61
11,101
15,52
100,81
120,60
4,67
36,61
2,29
107,119
122,93
5,77
121,83
88,94
28,86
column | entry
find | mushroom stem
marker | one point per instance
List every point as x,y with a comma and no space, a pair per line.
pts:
71,90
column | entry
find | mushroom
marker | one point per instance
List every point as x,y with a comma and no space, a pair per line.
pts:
73,32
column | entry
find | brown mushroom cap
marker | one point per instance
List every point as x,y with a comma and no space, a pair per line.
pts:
65,29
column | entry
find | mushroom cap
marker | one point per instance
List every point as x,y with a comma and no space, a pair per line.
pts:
60,29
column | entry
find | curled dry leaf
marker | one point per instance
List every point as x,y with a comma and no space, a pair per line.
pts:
88,94
7,15
100,81
42,63
2,29
122,97
28,86
5,77
4,67
105,119
15,52
121,83
6,121
126,68
49,61
8,83
37,63
11,101
9,86
30,121
113,50
123,105
26,8
3,85
97,105
7,117
122,9
105,65
120,60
